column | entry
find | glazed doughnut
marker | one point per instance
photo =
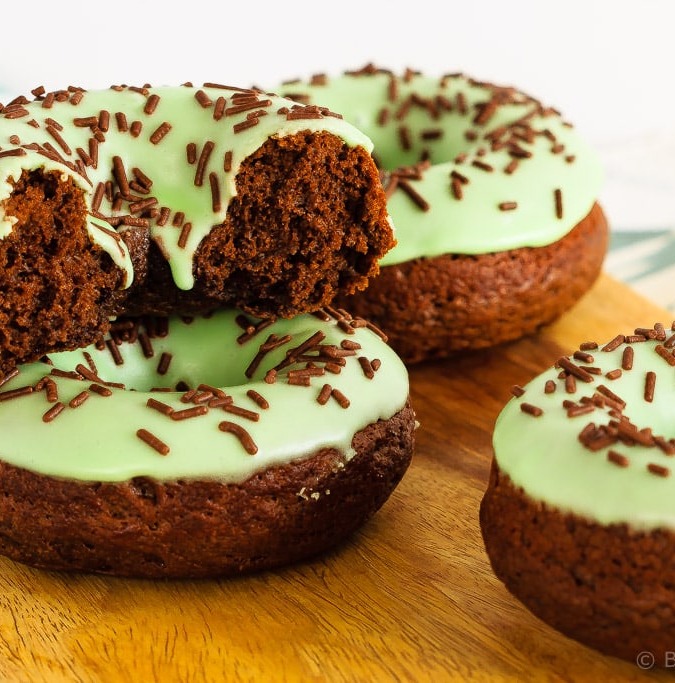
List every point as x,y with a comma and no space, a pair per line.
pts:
493,199
578,519
139,457
139,200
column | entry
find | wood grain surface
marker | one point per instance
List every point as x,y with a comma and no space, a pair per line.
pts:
410,598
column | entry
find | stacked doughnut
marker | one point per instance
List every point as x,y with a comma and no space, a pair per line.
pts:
494,201
228,419
164,200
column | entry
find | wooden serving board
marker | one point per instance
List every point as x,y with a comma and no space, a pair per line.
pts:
410,598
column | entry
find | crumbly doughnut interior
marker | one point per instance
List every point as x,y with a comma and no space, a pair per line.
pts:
55,285
306,223
309,219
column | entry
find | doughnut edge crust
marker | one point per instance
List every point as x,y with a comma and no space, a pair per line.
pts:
607,587
434,307
195,529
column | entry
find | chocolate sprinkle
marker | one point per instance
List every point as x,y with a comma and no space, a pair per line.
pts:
78,400
602,389
658,470
146,345
242,412
583,356
665,354
570,384
366,367
528,408
342,400
13,153
164,362
151,104
614,343
617,458
15,393
258,399
9,376
227,161
189,413
202,162
650,384
573,369
215,192
477,163
184,234
191,152
558,203
160,132
576,410
163,408
648,333
413,194
243,436
53,412
153,441
52,390
101,391
511,167
324,394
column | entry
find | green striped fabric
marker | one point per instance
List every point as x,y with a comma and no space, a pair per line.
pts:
645,260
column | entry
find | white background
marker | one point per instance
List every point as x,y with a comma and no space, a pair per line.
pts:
607,65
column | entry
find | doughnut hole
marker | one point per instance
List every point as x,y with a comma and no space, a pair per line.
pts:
55,284
309,220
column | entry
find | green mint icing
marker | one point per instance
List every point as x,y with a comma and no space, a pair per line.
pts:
545,456
474,224
35,131
97,441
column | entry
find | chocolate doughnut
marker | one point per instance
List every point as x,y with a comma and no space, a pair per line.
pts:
578,518
494,202
211,446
